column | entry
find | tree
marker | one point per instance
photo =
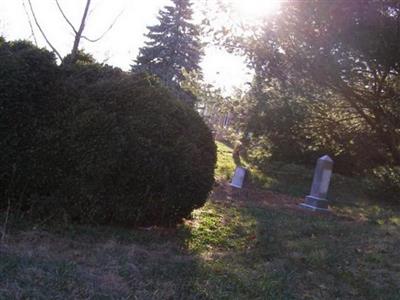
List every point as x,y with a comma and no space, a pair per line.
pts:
78,32
173,46
337,63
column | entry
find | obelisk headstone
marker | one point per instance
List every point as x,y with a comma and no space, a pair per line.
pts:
317,201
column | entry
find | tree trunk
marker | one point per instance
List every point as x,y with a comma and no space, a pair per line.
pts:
78,35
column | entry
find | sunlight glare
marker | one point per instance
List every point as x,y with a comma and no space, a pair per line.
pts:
256,8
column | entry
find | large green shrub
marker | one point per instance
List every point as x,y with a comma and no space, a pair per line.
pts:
28,81
136,155
91,144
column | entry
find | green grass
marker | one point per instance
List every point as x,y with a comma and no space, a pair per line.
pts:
296,180
225,165
235,247
347,195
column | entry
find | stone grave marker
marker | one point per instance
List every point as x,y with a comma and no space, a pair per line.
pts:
317,200
238,177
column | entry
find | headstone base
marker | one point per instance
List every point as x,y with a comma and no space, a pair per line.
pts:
235,185
315,204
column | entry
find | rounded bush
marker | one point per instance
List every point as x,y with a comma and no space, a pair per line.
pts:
136,155
90,143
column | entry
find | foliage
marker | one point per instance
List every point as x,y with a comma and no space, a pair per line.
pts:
384,183
173,46
295,179
130,142
89,143
276,125
326,81
215,107
28,79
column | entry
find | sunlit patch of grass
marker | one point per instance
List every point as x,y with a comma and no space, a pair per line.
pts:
225,168
273,252
225,165
220,228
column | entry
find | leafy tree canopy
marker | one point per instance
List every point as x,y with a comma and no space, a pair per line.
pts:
329,70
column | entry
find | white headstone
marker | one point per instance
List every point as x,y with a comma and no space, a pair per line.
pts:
322,175
238,177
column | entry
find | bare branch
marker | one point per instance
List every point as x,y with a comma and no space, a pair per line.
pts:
78,34
65,17
106,31
42,32
30,22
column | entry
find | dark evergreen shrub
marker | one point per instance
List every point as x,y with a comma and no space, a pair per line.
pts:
28,80
137,156
94,145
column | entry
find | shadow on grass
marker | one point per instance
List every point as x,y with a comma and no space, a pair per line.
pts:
97,263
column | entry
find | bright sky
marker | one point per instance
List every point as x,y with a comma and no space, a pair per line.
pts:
120,46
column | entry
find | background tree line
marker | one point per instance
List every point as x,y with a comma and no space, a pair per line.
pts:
326,81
